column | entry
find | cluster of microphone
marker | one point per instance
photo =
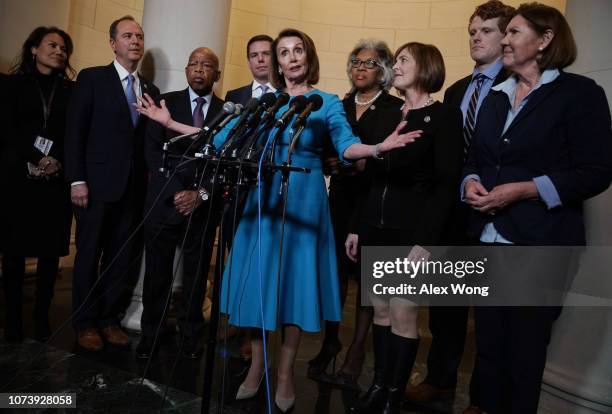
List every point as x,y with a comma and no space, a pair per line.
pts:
254,118
256,123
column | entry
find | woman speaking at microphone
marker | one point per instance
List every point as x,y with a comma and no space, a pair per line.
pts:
308,291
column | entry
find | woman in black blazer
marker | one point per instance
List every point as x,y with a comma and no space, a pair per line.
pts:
373,114
37,215
542,146
408,203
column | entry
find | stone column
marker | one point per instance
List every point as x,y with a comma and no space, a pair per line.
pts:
578,375
172,30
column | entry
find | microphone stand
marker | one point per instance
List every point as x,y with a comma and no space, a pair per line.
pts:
238,179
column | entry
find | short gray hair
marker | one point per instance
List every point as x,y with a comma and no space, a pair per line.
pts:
385,60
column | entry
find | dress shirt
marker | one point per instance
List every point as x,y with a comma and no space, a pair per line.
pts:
546,189
123,75
192,98
490,74
256,89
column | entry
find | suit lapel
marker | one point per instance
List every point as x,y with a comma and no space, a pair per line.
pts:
534,100
215,106
183,109
463,87
502,106
247,93
117,90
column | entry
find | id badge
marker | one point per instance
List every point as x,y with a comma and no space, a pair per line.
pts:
43,144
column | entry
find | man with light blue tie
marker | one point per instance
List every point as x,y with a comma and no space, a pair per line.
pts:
447,324
105,167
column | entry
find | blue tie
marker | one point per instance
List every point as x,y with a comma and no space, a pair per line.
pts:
131,98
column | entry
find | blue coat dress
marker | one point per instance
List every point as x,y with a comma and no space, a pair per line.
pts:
308,291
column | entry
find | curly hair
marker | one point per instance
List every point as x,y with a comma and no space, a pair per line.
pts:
384,60
493,9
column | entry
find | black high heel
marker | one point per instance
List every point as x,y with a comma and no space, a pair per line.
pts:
347,380
328,353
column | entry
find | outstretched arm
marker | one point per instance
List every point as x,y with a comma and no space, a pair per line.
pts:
160,114
393,141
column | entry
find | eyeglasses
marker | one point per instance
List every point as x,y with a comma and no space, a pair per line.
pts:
369,64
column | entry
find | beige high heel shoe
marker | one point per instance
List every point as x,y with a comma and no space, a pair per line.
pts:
285,405
245,392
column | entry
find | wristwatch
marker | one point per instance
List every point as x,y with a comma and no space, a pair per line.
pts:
203,194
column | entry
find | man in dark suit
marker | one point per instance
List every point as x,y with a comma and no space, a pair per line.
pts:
179,212
105,167
259,54
448,324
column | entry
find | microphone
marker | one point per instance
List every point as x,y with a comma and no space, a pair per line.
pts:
249,107
298,104
265,102
237,111
282,99
313,104
227,111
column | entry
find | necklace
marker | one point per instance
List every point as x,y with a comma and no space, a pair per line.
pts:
358,102
428,102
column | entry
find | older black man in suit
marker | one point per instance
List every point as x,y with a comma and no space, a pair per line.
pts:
179,211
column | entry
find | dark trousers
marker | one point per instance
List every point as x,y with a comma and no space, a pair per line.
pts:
161,240
511,354
13,272
448,325
102,260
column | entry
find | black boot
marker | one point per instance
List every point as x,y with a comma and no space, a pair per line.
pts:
374,399
402,353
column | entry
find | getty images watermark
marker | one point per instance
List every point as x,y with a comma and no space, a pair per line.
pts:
486,275
395,272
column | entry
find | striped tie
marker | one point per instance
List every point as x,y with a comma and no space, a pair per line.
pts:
470,118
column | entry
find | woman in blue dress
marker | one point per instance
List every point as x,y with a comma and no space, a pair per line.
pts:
308,291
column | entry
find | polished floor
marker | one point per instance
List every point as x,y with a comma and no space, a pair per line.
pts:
114,381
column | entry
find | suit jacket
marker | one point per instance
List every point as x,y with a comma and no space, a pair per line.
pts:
414,188
102,147
456,229
454,93
563,132
179,105
240,95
